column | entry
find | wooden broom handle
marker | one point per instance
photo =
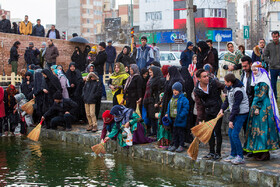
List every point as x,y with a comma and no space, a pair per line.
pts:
219,116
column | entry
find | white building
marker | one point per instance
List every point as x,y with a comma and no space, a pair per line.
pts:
271,18
156,14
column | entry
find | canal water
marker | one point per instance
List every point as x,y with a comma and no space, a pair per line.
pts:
50,163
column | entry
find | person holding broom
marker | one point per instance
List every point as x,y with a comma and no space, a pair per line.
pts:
208,101
238,103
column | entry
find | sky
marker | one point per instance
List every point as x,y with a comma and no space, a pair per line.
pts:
45,9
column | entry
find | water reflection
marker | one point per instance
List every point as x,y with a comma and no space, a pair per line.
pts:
48,163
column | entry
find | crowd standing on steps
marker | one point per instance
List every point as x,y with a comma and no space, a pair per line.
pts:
151,101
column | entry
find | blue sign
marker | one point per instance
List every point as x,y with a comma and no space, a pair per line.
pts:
225,34
168,37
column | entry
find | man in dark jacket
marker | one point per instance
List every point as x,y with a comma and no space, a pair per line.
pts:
62,111
208,101
51,54
99,65
31,55
53,33
5,25
216,56
38,30
111,56
186,55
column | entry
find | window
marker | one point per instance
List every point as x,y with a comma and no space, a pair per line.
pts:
88,21
88,2
278,16
88,11
182,14
88,30
153,16
95,31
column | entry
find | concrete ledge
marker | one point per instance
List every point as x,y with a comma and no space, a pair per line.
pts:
148,152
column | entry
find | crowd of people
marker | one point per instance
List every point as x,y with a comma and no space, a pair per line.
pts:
153,101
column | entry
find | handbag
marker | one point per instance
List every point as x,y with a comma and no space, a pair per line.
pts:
120,98
28,107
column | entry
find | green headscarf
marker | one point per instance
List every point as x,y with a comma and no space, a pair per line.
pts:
119,77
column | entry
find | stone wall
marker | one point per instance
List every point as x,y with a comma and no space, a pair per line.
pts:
65,48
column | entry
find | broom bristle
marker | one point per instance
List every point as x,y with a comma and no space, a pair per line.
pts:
204,130
99,148
35,133
193,149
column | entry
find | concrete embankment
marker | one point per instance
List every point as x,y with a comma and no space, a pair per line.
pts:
254,173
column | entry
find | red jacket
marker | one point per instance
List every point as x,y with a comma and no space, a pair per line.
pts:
2,107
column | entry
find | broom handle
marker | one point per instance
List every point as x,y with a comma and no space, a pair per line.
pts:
41,122
219,116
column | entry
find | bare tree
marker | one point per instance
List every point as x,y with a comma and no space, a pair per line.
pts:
200,30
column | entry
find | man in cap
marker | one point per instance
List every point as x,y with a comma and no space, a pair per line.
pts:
186,55
111,56
31,55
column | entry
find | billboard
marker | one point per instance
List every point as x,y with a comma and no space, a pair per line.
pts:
225,34
163,37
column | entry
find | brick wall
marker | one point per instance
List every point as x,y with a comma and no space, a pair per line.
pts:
65,49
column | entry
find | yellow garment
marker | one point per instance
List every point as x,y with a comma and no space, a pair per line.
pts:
93,50
118,78
25,29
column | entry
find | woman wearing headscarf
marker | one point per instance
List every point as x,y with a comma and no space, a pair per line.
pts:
64,82
133,88
127,125
79,58
263,125
91,55
188,88
117,81
75,90
52,85
151,98
27,85
164,70
231,61
42,55
124,57
11,113
205,55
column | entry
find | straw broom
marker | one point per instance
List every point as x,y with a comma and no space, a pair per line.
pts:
99,148
193,149
204,130
35,133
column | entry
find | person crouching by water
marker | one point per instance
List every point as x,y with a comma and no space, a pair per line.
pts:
61,112
92,92
108,123
127,129
177,112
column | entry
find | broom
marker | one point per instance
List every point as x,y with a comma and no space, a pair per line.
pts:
204,130
35,133
193,149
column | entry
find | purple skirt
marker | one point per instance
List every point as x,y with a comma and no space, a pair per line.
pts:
139,135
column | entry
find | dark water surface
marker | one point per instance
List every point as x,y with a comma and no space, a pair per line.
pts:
49,163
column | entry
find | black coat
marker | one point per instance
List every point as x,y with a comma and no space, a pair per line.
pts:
59,109
5,26
125,58
38,31
92,91
216,58
14,54
249,89
79,60
99,62
56,33
26,89
133,92
31,56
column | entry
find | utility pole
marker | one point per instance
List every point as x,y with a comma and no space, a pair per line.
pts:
190,21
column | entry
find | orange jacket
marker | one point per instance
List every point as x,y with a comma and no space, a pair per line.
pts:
25,29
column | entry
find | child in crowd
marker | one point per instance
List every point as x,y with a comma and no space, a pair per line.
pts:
177,111
108,123
25,119
238,104
192,66
92,92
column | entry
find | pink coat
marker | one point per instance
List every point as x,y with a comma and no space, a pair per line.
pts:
2,107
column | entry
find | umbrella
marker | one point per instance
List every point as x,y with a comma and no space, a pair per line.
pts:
79,39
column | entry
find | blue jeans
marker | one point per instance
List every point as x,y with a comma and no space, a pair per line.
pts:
66,119
108,64
235,143
274,73
103,87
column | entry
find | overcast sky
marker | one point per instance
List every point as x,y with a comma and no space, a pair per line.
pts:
45,9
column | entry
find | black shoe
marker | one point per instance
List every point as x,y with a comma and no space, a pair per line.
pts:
209,156
217,157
